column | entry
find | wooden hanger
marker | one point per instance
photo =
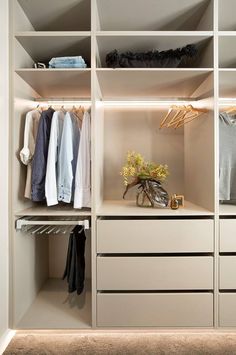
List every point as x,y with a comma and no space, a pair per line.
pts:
184,114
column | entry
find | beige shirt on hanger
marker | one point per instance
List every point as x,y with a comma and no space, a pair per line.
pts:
27,153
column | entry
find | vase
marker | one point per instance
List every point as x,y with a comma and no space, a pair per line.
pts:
151,194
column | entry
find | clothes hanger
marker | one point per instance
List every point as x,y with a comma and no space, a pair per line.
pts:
190,119
179,116
162,124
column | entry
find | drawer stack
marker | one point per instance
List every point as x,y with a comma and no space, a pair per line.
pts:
227,273
156,272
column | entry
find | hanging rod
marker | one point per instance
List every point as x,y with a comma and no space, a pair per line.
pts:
26,222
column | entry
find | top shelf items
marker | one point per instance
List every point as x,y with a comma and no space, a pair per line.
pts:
114,15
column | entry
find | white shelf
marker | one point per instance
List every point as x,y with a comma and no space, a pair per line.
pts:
56,83
156,33
129,208
54,308
58,15
229,210
58,210
42,46
136,43
149,84
155,15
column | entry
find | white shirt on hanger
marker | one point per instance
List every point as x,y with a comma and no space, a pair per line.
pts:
52,161
82,196
27,153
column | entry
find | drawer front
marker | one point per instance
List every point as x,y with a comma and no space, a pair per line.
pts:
154,236
164,310
228,272
227,309
228,235
154,273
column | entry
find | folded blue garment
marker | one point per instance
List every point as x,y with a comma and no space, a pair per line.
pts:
68,65
56,62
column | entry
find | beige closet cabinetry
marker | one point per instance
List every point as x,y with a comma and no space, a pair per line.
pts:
144,267
227,275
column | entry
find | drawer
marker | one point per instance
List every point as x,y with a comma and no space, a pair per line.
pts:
154,236
228,235
154,273
153,309
227,309
228,272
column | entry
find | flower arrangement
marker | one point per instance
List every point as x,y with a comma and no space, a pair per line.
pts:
137,168
148,176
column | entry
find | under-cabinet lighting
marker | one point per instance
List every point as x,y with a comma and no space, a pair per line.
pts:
145,103
63,102
227,101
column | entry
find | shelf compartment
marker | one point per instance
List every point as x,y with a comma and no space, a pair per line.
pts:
59,210
57,83
227,210
149,84
143,43
58,15
41,299
227,54
51,311
227,20
154,15
43,46
129,208
227,83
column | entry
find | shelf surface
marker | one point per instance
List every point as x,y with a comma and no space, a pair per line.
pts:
65,210
156,33
229,210
58,15
54,308
129,208
43,47
149,84
56,83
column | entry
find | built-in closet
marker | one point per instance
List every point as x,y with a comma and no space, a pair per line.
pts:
145,267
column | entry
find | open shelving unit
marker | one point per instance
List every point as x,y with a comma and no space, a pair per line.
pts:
124,116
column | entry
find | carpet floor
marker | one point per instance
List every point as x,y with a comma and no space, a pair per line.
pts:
123,344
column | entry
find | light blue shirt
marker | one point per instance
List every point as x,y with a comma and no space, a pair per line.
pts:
68,157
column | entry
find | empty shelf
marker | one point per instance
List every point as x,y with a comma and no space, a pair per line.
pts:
59,210
54,308
149,84
58,83
229,210
133,15
129,208
58,15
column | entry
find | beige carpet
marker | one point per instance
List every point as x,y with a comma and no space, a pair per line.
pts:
122,344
